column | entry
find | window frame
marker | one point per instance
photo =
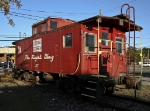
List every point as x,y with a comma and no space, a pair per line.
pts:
95,42
51,25
35,30
44,26
19,49
105,39
64,40
122,45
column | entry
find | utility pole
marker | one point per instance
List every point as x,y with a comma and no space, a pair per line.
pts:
148,54
7,57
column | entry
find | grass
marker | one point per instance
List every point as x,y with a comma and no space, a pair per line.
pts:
143,94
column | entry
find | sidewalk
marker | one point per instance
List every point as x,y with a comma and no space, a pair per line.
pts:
145,81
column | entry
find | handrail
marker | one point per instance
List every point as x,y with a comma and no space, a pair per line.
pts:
100,40
79,55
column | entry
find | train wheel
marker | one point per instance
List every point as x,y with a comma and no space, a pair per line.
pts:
26,76
68,86
109,90
16,74
42,80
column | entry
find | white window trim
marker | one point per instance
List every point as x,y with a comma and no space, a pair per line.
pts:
95,40
65,41
122,39
35,30
19,49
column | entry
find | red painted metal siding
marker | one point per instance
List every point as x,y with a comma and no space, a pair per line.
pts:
60,23
26,50
55,58
89,61
113,62
22,48
70,56
51,47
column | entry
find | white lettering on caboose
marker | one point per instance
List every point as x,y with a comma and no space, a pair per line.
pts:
47,56
36,57
27,57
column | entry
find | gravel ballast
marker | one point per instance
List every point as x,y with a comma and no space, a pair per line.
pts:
24,96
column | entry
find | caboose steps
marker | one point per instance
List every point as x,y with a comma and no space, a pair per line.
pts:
99,76
88,96
92,88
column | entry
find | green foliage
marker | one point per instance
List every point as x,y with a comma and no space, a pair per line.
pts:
5,6
137,53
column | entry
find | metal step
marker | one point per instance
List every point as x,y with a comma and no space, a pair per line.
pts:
90,88
88,95
99,76
92,82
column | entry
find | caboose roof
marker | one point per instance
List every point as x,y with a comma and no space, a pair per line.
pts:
114,21
43,21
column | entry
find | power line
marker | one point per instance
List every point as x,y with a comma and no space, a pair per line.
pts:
21,16
8,40
42,11
118,7
34,16
12,35
27,15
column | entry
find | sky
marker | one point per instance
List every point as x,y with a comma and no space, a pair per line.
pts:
33,11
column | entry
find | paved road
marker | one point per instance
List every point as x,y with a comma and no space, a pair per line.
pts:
1,71
145,73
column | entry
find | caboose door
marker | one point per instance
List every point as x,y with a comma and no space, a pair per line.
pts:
89,54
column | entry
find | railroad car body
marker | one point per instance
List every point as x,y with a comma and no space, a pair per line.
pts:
89,55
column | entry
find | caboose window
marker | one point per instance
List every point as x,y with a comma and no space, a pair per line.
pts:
53,25
19,49
104,37
68,40
90,42
35,30
44,26
119,46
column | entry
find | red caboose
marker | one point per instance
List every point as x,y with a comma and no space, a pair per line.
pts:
89,55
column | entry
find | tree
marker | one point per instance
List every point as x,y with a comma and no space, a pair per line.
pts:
137,57
5,6
134,57
146,53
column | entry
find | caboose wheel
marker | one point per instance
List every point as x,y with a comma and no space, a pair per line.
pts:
26,76
68,85
109,90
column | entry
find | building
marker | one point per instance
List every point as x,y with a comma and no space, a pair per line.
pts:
7,52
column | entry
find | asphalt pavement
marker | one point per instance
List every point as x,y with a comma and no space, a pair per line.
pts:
1,71
145,73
